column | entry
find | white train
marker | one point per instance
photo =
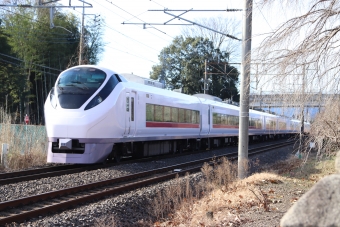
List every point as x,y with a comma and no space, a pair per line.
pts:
93,114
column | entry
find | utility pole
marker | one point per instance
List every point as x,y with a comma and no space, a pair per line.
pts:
81,43
302,128
205,77
244,91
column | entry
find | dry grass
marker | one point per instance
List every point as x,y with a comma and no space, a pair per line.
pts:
225,197
27,145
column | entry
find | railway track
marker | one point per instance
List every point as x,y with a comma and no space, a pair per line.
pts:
34,174
15,177
25,208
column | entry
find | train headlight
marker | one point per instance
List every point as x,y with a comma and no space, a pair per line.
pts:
53,98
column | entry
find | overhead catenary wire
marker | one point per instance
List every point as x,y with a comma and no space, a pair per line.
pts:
132,54
109,27
263,16
18,59
134,17
20,66
137,18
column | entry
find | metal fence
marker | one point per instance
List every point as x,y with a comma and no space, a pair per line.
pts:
24,138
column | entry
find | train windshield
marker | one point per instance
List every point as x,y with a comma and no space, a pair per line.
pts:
77,85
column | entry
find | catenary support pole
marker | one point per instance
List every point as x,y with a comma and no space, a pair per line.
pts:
244,91
205,77
81,44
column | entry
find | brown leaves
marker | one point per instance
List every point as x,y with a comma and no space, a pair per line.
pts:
275,181
293,200
157,224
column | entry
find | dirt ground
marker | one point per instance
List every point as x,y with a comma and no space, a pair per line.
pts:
296,176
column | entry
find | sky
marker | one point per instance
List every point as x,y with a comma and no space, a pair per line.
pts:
131,49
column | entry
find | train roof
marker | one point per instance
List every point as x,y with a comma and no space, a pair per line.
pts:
142,80
156,87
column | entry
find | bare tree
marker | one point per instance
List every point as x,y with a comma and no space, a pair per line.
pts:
300,60
325,130
229,26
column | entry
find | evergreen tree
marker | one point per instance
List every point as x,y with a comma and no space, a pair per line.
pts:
182,65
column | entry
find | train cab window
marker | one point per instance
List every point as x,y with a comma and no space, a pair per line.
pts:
104,92
73,89
53,98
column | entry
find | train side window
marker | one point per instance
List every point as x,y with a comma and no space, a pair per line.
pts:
223,119
167,114
181,115
149,112
270,124
282,125
174,114
233,120
158,113
193,117
187,116
132,108
214,118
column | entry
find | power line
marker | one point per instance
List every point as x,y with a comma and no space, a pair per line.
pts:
158,4
263,16
137,18
16,64
166,11
132,54
18,59
128,37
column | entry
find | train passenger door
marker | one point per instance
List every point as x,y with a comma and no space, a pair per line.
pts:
130,121
205,120
209,119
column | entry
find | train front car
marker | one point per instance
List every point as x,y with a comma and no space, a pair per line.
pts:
80,101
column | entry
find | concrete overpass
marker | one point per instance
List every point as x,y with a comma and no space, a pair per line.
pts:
290,100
